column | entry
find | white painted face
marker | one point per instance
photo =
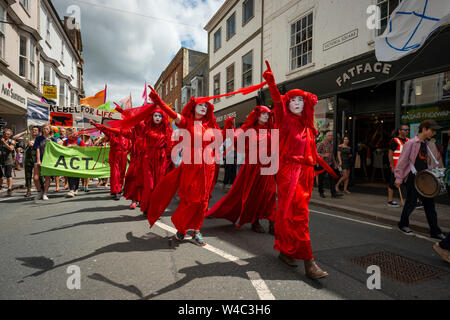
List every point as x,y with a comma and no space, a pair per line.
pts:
263,117
201,109
296,105
157,118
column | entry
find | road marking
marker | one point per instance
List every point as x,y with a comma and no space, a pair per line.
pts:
6,199
355,220
376,225
258,283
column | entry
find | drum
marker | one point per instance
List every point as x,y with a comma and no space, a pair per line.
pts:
430,183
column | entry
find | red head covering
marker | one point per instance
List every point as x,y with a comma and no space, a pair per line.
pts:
252,118
189,112
310,100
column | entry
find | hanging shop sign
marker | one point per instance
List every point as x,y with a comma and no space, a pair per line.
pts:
50,92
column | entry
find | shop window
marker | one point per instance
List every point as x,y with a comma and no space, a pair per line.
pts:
324,116
301,42
247,69
247,11
427,98
216,87
230,78
386,8
231,26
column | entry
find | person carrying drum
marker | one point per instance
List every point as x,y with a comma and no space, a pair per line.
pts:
418,155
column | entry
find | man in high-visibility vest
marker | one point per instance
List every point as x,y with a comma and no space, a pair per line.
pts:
395,149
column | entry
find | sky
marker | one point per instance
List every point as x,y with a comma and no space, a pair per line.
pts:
129,42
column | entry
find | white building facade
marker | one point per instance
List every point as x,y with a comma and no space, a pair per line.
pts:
34,51
234,47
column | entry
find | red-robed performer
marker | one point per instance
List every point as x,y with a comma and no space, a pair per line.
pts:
294,115
194,181
157,148
252,196
134,182
117,157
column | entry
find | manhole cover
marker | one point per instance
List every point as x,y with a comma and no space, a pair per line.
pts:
399,268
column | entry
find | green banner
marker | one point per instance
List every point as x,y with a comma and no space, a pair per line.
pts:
77,162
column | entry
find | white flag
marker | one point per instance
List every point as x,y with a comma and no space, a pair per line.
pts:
410,25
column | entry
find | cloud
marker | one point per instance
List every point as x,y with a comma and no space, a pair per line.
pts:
126,43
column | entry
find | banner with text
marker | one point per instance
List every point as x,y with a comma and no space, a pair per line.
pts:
77,162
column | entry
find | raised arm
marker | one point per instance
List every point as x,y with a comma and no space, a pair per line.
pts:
109,132
279,107
158,101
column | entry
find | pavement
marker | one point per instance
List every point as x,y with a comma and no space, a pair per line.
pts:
364,201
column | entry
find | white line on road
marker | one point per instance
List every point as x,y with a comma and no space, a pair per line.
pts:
6,199
374,224
258,283
355,220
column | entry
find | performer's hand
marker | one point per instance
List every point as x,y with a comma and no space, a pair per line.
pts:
397,185
268,74
91,121
154,96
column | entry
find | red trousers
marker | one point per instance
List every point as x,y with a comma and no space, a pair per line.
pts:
118,167
295,185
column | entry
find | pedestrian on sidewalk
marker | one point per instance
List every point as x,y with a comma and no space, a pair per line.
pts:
39,146
418,155
395,150
345,164
7,145
325,151
30,160
73,140
230,170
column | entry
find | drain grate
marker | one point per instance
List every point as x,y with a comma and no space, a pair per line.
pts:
399,268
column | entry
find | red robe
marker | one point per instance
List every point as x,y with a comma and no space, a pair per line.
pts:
252,196
295,178
134,182
193,181
156,157
117,156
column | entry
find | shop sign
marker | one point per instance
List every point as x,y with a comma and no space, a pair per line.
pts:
50,92
370,70
9,92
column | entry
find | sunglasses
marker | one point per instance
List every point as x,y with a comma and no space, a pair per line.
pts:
404,129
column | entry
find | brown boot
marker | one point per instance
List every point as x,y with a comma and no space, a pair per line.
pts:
313,271
288,260
257,227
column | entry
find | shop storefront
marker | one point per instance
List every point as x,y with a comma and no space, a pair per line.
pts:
240,111
367,100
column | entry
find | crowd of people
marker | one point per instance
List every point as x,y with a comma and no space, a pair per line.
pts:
29,146
152,180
